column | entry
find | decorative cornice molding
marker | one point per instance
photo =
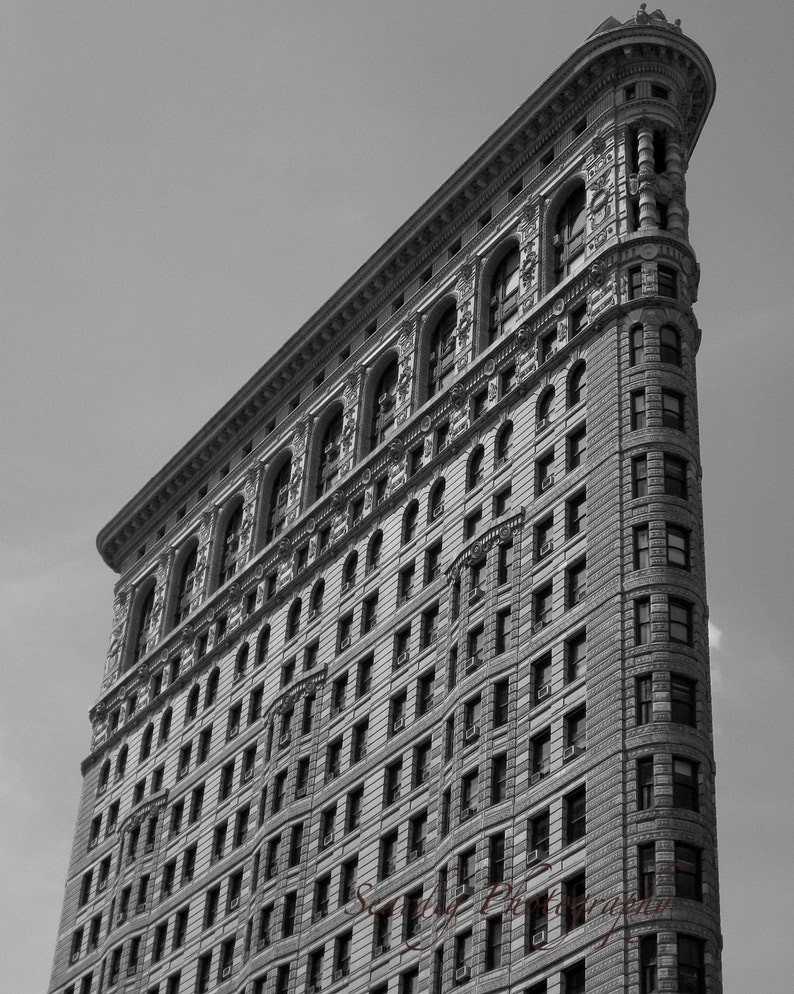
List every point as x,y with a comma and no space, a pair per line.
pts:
542,117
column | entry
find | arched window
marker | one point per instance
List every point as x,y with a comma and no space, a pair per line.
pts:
545,410
191,708
316,602
146,742
263,645
504,443
669,345
230,548
569,235
104,778
241,661
384,403
211,690
349,572
410,519
121,762
577,384
328,468
186,588
474,471
503,307
143,631
165,726
435,505
279,495
374,550
293,620
441,361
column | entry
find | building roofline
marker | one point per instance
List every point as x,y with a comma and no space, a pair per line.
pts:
527,128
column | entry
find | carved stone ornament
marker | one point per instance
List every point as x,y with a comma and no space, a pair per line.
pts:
597,273
396,450
405,341
366,476
457,395
351,383
505,533
528,268
527,216
299,432
599,145
235,593
477,551
338,501
558,306
259,572
523,339
464,322
284,548
489,368
426,423
187,633
286,703
311,525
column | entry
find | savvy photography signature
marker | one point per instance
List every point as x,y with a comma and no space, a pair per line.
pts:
511,900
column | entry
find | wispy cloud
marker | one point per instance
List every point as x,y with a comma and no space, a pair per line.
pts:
715,637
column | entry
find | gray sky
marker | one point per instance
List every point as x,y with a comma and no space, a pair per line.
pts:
183,184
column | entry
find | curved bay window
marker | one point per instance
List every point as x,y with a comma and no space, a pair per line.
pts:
230,548
349,573
385,401
279,495
569,235
474,471
187,587
435,505
143,630
545,409
441,361
374,550
503,308
328,468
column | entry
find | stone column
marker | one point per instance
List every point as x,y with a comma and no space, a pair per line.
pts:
676,209
649,217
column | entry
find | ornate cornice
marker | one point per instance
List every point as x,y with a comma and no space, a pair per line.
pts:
645,41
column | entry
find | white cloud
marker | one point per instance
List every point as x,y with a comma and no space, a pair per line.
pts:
715,636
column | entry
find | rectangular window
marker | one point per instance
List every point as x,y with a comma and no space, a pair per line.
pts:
397,713
575,901
642,621
295,844
430,623
333,760
685,784
499,778
433,562
540,749
503,631
358,741
637,346
638,421
575,808
667,282
672,410
496,858
538,836
641,546
469,794
417,835
645,785
424,692
472,525
541,678
675,481
635,282
679,617
677,546
544,532
643,699
493,943
543,606
576,583
639,476
648,967
576,656
575,733
355,804
646,870
688,872
369,614
691,965
683,700
544,472
405,583
392,782
505,564
669,345
421,763
501,703
502,502
576,514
